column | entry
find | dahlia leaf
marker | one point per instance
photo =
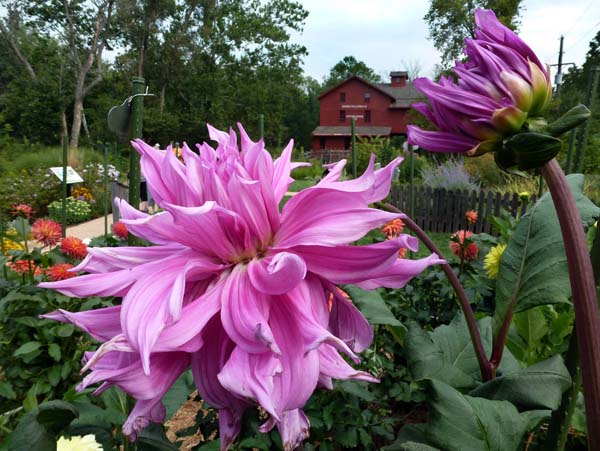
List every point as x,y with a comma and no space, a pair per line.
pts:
533,268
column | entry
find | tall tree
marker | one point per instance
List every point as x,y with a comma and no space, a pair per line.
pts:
84,28
450,22
347,67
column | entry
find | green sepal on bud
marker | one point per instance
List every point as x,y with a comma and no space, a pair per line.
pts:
527,151
571,119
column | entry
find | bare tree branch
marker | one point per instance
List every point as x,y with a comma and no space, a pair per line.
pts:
15,48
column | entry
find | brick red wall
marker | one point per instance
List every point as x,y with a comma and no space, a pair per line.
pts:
355,104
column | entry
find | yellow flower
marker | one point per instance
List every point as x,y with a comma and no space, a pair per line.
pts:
78,443
10,243
492,260
523,196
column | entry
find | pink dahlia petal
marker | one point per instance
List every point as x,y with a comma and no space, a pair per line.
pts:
348,324
294,428
281,175
102,324
332,365
353,264
335,171
186,334
109,284
277,274
143,413
106,259
251,376
245,313
303,304
400,273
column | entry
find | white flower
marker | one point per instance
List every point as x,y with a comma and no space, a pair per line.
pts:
78,443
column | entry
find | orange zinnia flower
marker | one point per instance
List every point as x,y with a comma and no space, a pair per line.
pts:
73,247
60,271
46,231
120,230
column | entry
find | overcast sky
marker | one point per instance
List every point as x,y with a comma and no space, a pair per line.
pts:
389,34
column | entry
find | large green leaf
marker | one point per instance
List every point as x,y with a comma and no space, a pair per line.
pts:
458,422
178,393
447,354
539,386
153,438
533,269
372,306
38,429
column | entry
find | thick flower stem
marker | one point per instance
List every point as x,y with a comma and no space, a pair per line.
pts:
484,365
584,295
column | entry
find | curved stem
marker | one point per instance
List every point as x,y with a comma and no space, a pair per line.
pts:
484,365
583,288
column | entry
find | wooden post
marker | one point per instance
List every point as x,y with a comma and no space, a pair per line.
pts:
352,126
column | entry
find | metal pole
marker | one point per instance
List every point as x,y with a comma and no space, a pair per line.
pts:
137,111
582,138
106,196
559,72
352,127
261,125
65,149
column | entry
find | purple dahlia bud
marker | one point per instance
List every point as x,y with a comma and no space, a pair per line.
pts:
500,87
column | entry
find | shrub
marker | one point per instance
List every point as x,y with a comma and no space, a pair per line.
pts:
77,210
35,187
450,175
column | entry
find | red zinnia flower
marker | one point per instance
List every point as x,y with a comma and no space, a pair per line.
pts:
23,267
471,216
46,231
60,271
120,230
22,210
73,247
469,252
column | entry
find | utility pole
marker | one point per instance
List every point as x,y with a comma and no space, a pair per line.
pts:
558,79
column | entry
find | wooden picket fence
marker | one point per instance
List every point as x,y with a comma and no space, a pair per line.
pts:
438,210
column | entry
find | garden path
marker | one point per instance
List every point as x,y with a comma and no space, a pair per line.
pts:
90,229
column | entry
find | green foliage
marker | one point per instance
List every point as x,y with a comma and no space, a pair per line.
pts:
539,386
533,268
446,354
450,175
36,187
39,428
346,68
451,22
77,210
538,333
458,422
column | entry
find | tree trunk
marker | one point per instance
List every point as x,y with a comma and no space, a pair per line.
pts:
63,124
162,98
77,118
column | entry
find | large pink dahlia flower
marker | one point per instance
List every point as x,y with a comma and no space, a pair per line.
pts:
234,287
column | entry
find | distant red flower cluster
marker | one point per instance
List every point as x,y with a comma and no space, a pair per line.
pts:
22,210
471,216
461,249
24,266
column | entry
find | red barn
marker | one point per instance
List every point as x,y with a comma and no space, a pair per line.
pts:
378,108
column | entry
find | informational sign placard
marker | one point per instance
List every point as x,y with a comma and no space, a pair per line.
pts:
72,176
